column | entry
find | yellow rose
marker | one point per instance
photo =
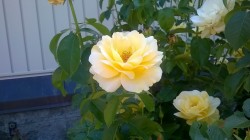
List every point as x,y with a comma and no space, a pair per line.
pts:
197,106
56,2
210,18
126,59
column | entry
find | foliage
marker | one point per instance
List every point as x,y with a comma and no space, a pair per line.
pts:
219,65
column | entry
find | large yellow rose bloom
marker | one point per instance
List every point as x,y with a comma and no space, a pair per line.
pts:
126,59
197,106
56,2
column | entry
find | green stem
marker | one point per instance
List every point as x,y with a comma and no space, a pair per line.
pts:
93,86
78,32
216,75
118,18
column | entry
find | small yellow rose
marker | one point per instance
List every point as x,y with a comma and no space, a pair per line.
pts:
126,59
197,106
56,2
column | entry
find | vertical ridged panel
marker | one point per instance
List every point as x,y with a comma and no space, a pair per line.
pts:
5,56
15,35
27,26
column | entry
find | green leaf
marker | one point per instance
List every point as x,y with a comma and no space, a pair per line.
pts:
215,133
110,132
195,132
166,19
133,19
99,27
237,30
183,3
171,128
91,31
139,16
111,109
246,107
58,78
141,3
233,83
247,84
144,127
111,4
68,53
100,3
100,104
200,50
90,20
82,75
84,106
96,112
54,43
243,62
97,95
237,120
166,94
77,99
169,65
105,15
88,38
148,101
161,2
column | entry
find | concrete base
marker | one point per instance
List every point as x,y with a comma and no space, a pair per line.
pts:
46,124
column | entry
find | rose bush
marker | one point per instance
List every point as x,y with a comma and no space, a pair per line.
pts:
141,78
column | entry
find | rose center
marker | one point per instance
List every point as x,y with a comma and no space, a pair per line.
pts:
194,102
125,55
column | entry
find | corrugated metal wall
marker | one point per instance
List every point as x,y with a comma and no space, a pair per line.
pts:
26,28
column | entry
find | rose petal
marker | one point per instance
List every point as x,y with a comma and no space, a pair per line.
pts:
142,80
108,84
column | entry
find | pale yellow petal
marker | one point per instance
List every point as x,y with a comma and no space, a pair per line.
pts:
98,67
108,84
142,80
137,40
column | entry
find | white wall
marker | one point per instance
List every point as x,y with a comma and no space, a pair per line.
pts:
26,28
